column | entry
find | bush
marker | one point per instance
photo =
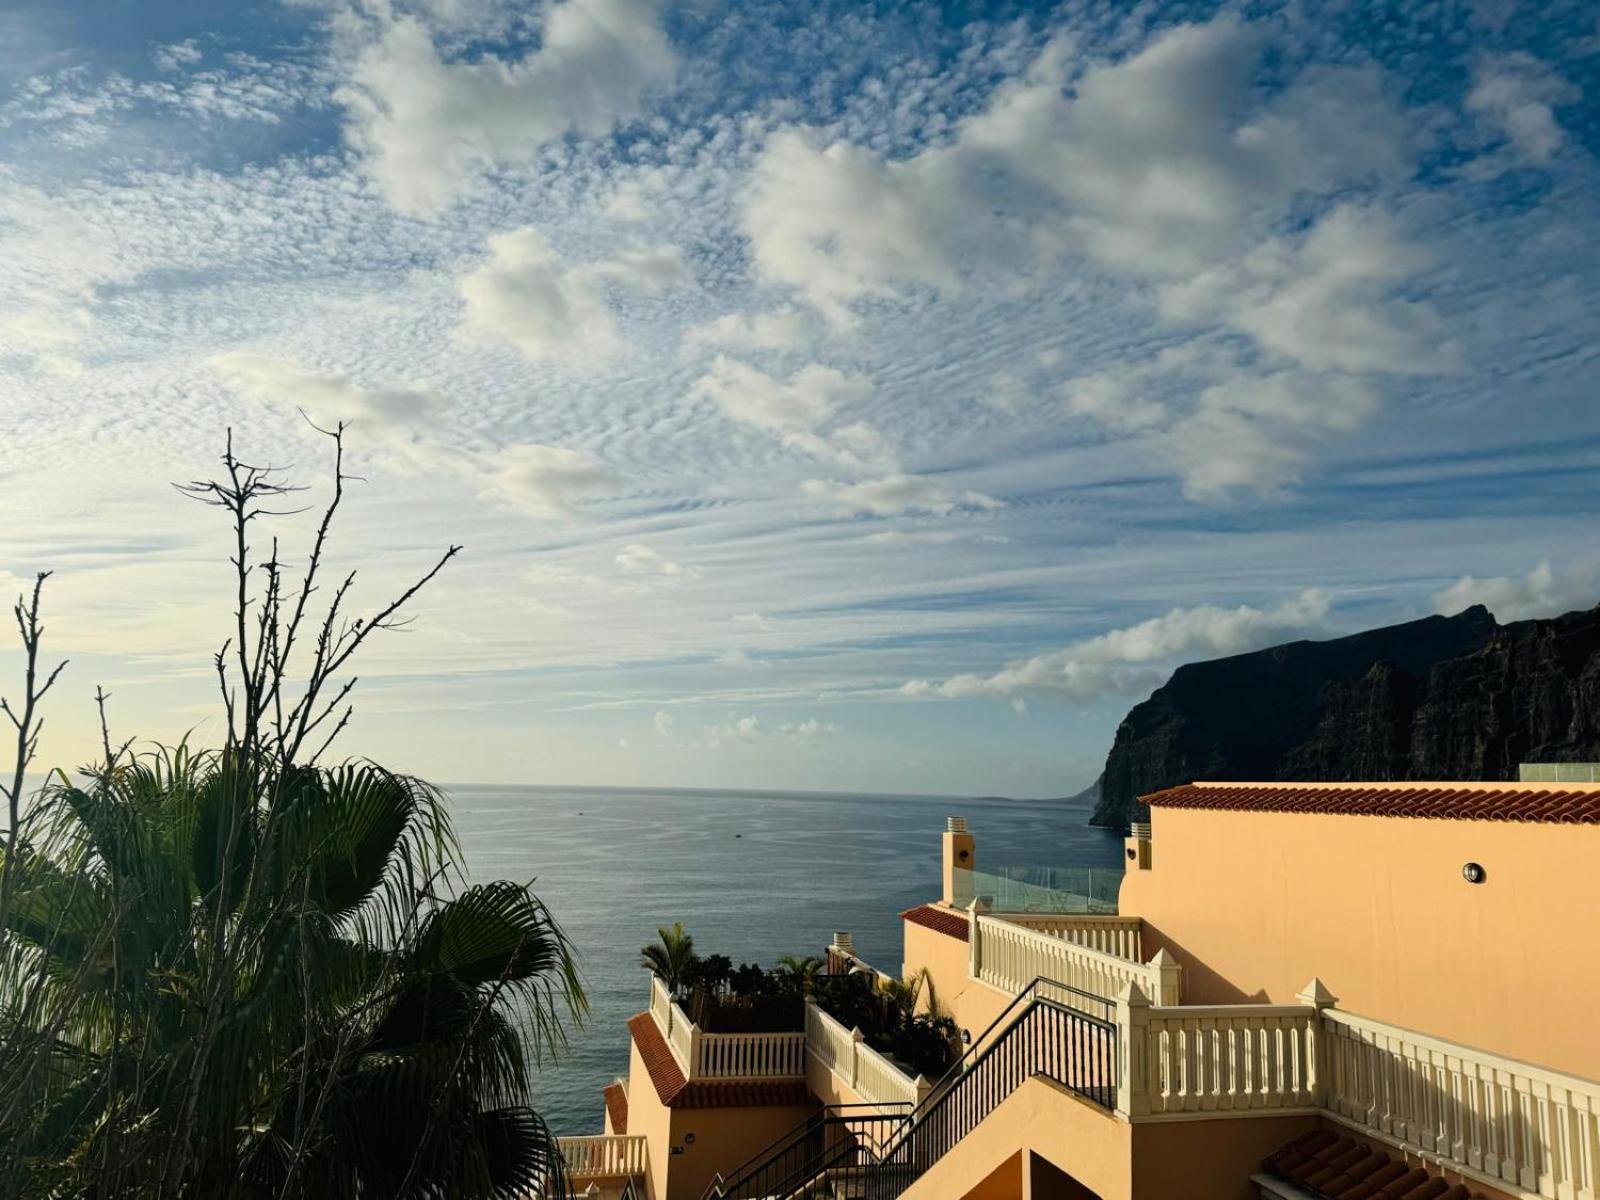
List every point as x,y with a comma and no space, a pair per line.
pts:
923,1043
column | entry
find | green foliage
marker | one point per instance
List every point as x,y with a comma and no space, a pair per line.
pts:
926,1042
231,979
671,958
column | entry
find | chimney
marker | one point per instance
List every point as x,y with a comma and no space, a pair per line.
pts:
960,859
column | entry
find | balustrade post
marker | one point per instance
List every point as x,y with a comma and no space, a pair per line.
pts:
924,1085
975,909
1317,995
1133,1047
696,1048
1168,973
856,1038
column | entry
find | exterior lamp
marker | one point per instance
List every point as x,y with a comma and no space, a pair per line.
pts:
1474,873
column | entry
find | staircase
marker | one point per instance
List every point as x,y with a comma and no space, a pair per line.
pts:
1050,1030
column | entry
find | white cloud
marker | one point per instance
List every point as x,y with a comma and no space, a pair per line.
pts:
1140,657
1325,301
550,481
527,295
382,411
1258,432
799,410
1156,164
1172,166
733,730
426,127
778,329
664,722
176,56
1515,95
1539,593
893,495
809,730
638,559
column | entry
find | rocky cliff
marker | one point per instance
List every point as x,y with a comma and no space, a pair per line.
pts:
1460,697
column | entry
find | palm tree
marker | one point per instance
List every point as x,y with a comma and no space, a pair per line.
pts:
234,981
671,959
799,973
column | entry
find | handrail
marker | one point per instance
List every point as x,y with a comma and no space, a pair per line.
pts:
1029,993
813,1128
1052,1035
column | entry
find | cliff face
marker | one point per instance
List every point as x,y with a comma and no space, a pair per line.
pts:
1459,697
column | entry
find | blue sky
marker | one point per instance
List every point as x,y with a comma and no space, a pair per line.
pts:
828,396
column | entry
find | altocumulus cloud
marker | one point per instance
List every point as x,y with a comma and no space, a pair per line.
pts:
1168,166
1140,657
426,127
525,294
893,495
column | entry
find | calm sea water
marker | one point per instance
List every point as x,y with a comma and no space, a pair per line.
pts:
751,875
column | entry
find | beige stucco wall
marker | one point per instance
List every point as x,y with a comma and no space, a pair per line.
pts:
1182,1160
1043,1118
1254,904
648,1116
973,1004
724,1139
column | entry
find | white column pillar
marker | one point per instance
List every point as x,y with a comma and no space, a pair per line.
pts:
1133,1048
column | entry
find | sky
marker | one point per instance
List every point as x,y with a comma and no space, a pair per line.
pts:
827,396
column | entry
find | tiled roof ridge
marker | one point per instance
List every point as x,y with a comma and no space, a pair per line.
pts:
659,1061
940,920
1572,804
616,1097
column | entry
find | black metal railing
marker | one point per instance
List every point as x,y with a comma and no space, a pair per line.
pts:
1063,1033
840,1138
1053,1036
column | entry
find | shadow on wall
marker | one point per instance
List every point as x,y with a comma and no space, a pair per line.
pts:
1201,984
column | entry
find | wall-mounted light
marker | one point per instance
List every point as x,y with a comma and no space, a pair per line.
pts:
966,1037
688,1139
1474,873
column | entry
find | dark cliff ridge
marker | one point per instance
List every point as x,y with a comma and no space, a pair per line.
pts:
1460,697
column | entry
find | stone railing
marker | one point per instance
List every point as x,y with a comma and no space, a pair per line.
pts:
1118,936
1503,1121
602,1157
874,1078
704,1055
1228,1057
1011,956
749,1056
1491,1119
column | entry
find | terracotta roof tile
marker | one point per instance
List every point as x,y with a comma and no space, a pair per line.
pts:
1576,805
658,1058
677,1092
617,1106
940,920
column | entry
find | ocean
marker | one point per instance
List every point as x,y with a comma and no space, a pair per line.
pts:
752,875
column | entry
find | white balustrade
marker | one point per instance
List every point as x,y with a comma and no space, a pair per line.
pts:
704,1055
1011,956
750,1056
601,1156
1117,936
1502,1120
872,1076
1220,1058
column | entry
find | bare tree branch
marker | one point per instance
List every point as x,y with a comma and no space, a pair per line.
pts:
28,725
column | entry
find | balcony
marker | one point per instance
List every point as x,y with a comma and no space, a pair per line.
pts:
724,1056
605,1167
875,1078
